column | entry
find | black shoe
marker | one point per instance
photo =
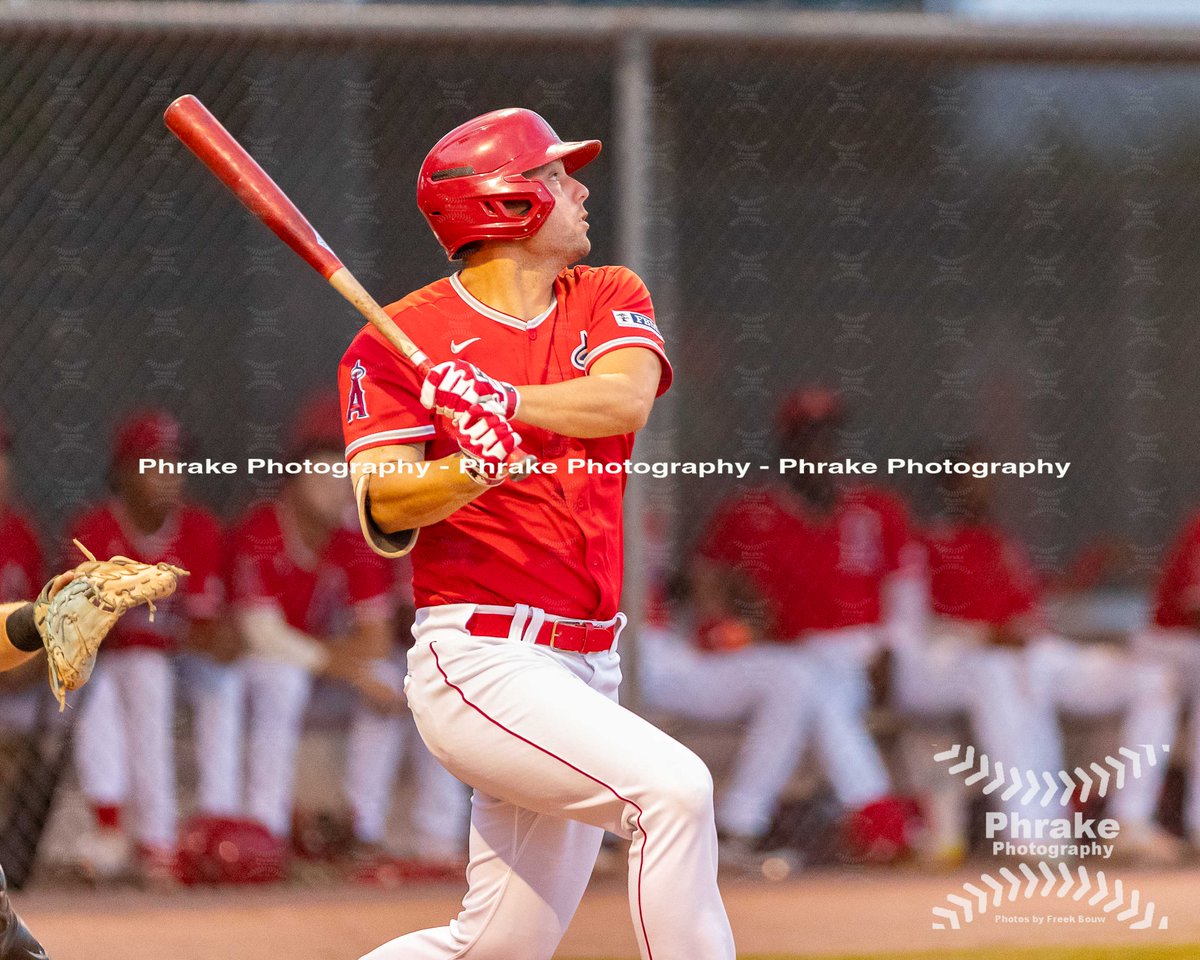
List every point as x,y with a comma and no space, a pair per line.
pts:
16,942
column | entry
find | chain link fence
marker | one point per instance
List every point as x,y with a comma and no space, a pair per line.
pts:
966,241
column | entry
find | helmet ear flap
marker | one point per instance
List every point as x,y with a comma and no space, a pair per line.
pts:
516,210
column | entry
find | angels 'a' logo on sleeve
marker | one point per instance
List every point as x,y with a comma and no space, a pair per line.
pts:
639,321
356,404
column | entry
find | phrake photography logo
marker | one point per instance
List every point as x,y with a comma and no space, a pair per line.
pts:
1037,831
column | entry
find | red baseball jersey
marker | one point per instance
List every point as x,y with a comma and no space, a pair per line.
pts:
815,571
1177,598
318,594
190,538
21,571
553,540
978,573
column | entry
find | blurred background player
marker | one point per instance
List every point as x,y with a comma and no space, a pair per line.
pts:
313,601
1173,640
825,563
715,662
124,746
985,593
963,661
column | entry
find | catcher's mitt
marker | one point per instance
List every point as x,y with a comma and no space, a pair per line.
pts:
75,620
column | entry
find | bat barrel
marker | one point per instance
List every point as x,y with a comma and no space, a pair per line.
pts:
203,134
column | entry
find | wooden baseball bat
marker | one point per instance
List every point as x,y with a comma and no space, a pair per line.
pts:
203,134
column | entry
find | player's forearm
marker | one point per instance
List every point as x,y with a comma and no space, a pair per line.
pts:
407,501
595,406
22,633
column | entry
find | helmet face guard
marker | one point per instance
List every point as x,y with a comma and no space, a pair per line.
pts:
472,185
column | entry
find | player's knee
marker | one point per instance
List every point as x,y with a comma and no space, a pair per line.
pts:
685,787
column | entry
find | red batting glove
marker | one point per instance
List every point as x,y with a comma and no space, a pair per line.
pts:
486,439
452,387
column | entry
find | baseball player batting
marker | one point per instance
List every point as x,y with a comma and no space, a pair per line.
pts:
513,678
68,620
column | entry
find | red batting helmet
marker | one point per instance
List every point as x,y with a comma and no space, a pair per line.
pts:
220,850
477,167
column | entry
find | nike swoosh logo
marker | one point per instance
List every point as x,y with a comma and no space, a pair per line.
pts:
460,347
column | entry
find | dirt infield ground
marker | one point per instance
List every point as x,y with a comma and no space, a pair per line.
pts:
829,915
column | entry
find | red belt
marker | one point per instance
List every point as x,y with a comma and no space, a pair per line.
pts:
574,636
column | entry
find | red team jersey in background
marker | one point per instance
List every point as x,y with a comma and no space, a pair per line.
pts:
21,573
978,573
271,565
190,538
816,572
1177,598
551,541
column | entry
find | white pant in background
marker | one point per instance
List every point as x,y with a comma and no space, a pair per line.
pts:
554,762
840,661
1177,650
767,686
377,743
123,741
278,695
955,672
216,694
1094,681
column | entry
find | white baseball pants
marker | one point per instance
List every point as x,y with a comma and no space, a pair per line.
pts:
554,762
278,695
1094,681
841,660
123,741
215,692
1177,650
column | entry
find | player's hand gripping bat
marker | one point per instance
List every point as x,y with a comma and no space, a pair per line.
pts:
203,134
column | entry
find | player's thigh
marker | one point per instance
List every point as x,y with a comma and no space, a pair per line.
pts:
933,678
840,661
1177,650
1090,680
725,686
205,683
278,693
146,686
522,725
